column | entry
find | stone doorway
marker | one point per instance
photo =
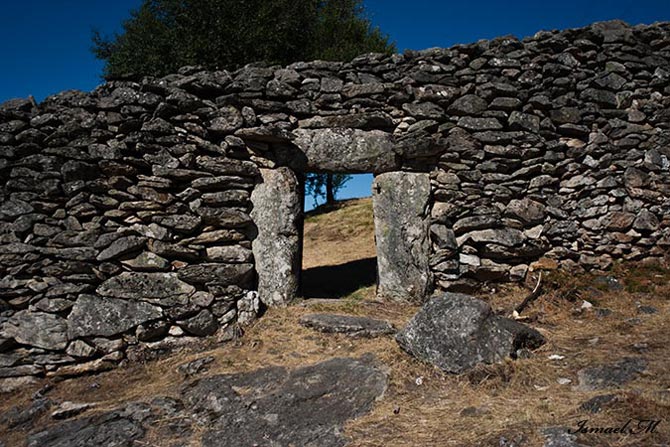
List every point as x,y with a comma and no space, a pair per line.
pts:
401,199
400,202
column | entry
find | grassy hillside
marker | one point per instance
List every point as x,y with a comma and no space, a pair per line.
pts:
339,235
339,251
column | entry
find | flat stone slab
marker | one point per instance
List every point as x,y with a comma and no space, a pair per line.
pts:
268,407
611,375
455,332
347,324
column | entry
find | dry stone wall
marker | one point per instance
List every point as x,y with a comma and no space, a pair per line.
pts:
127,216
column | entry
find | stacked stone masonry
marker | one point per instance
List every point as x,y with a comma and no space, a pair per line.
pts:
126,214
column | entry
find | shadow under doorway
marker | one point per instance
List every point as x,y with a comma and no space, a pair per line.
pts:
338,245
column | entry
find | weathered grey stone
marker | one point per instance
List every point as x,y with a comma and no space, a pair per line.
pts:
121,247
612,375
507,237
201,324
69,409
347,324
365,121
107,429
224,217
37,329
159,288
353,90
229,120
478,124
103,316
468,105
11,384
152,331
646,221
345,150
185,223
560,437
597,403
81,349
147,262
224,274
229,254
455,332
527,210
424,110
475,223
402,235
600,97
225,166
524,121
305,406
276,211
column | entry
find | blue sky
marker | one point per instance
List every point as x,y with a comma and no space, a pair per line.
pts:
45,44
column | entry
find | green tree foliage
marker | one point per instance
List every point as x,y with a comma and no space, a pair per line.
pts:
164,35
324,186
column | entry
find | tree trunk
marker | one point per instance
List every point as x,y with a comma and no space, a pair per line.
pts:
330,195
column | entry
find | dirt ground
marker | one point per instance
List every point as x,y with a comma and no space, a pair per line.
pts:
423,406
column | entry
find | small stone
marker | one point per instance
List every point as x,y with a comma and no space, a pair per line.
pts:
121,247
69,409
230,253
80,349
152,331
468,105
524,121
195,367
176,331
201,324
526,210
147,262
646,221
597,403
647,310
184,223
345,324
479,124
12,384
620,220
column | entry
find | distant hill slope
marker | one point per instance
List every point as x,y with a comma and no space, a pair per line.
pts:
340,234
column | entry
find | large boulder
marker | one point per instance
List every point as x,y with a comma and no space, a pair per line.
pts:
455,332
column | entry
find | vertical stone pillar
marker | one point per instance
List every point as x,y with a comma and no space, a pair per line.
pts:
400,203
276,212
